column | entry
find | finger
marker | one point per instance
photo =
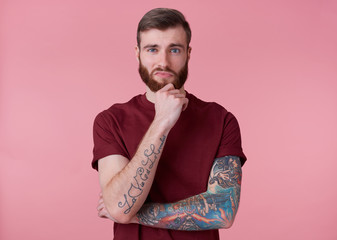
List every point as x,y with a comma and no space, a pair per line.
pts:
173,91
179,95
100,207
103,211
100,200
185,104
100,203
102,214
167,87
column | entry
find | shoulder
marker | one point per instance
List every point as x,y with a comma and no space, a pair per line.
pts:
118,109
212,111
200,105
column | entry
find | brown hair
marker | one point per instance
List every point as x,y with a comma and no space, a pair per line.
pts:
163,18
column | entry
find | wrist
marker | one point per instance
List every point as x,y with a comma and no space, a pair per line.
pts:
161,125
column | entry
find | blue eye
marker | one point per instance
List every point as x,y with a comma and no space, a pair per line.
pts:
175,50
152,50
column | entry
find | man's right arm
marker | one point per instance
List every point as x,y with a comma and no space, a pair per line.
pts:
125,184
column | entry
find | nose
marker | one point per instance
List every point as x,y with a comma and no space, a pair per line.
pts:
163,60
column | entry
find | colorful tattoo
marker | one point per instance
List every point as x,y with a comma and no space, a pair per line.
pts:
214,209
141,176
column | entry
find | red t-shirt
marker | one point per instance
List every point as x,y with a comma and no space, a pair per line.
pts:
203,132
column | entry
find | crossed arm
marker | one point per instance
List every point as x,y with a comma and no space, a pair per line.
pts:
216,208
126,183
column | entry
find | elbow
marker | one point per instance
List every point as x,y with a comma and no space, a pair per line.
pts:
117,214
114,212
228,216
121,217
228,222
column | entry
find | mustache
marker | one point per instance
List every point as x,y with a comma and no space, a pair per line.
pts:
166,69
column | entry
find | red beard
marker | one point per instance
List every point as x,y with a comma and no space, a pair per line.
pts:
178,82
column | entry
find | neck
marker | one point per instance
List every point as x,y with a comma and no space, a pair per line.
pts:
151,96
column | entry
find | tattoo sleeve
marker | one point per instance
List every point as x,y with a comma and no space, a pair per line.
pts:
216,208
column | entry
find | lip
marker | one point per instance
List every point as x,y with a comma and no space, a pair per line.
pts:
163,74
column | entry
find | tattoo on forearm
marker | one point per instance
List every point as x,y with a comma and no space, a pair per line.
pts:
226,173
213,209
141,176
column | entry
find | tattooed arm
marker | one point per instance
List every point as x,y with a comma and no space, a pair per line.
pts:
125,184
216,208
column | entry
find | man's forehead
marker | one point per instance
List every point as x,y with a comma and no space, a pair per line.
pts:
170,36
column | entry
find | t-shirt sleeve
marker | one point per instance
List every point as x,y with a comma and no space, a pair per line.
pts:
107,139
230,143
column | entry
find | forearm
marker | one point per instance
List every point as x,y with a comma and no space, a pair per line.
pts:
201,212
126,184
214,209
126,192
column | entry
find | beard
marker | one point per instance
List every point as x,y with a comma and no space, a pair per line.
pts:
178,81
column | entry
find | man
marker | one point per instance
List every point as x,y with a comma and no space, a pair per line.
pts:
169,164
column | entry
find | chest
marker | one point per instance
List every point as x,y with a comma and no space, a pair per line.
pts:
187,157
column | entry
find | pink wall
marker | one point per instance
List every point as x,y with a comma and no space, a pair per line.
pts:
272,63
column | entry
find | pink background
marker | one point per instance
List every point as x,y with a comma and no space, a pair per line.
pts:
272,63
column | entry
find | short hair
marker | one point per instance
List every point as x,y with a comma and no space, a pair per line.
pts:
162,19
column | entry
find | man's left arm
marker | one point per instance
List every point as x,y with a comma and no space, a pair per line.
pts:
216,208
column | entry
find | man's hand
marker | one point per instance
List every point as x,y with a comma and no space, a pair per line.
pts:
169,104
103,212
126,183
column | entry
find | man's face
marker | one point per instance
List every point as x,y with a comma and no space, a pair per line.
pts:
163,57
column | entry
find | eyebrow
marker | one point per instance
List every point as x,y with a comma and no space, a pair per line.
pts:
150,46
171,45
177,45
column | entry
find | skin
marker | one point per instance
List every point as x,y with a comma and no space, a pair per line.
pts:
163,49
216,208
125,184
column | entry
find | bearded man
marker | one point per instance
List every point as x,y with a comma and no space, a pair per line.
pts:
169,163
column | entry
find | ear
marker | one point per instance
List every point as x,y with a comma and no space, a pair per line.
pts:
137,53
189,53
